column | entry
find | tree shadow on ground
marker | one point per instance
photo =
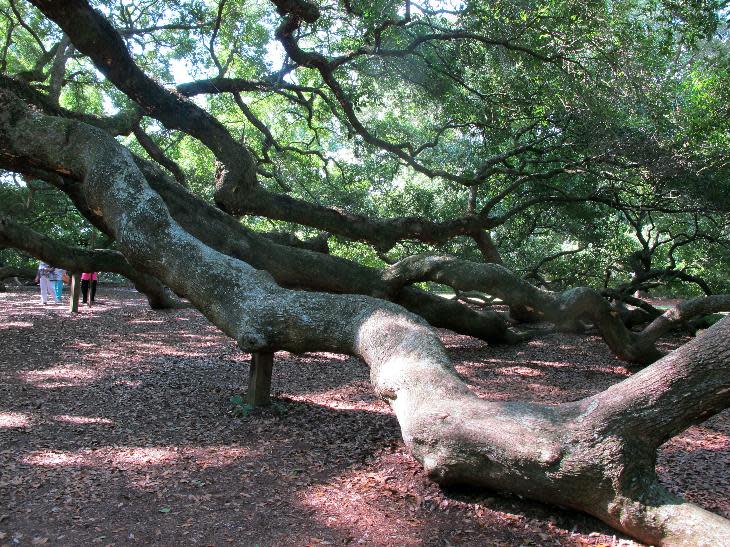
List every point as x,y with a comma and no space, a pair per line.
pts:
297,474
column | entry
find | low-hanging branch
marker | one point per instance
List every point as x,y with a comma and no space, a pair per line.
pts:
291,266
596,455
561,308
18,236
94,36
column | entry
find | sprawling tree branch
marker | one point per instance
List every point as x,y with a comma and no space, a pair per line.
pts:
13,234
560,308
122,123
291,266
157,154
94,36
586,454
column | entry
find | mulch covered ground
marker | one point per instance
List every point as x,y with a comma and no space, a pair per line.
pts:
117,427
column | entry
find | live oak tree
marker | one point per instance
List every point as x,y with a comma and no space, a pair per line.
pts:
413,136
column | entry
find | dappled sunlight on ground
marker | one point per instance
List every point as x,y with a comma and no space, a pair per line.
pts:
519,371
10,420
337,400
572,367
700,455
60,376
82,420
16,325
126,458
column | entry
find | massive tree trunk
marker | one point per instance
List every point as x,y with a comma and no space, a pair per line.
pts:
296,267
596,455
238,191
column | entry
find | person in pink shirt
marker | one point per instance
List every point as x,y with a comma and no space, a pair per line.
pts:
88,280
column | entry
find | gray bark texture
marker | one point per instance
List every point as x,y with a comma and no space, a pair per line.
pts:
566,308
596,455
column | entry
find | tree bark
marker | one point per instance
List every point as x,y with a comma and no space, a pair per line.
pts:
560,308
596,455
293,267
74,259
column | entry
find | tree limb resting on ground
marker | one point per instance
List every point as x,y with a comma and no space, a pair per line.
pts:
596,455
75,259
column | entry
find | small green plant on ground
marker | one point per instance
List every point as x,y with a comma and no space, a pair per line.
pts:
241,408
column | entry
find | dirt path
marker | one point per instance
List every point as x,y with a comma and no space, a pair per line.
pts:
116,427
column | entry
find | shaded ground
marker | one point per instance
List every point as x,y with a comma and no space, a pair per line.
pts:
116,427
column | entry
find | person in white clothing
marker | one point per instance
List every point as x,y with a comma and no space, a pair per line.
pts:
43,276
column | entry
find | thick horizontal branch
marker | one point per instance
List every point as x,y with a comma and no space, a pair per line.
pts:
13,234
560,308
119,124
292,267
381,233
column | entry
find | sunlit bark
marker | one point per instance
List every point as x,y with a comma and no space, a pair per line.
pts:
576,304
596,455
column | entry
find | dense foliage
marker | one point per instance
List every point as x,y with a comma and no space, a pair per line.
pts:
582,136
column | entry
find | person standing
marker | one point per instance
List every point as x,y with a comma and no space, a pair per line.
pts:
43,277
88,280
57,275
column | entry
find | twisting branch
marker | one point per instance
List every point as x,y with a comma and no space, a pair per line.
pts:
560,308
157,154
119,124
596,455
291,267
94,36
13,234
27,27
38,72
533,272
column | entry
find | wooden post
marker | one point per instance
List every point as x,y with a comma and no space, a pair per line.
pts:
259,379
73,305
